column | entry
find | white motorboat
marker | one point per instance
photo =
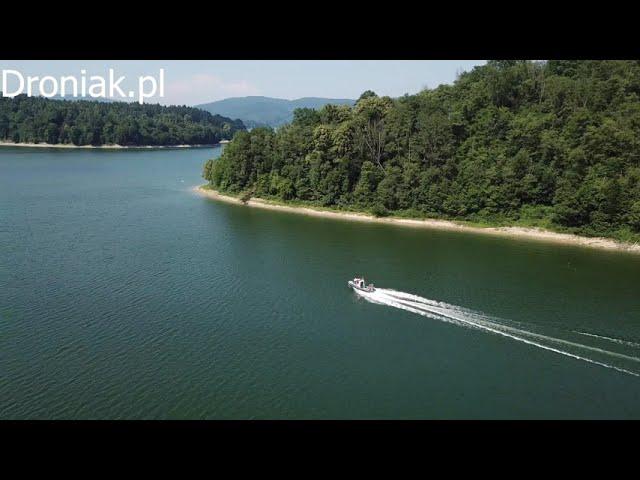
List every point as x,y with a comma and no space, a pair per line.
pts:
359,284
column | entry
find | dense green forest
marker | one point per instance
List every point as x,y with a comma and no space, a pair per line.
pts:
554,144
36,119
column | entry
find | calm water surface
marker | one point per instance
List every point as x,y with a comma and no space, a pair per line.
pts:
124,295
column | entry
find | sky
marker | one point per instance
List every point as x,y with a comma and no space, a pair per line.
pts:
191,82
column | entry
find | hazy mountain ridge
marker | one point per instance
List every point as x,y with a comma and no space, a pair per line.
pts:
257,111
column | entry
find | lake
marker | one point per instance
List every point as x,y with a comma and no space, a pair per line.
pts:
123,295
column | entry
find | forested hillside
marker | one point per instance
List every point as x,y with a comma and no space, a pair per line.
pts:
554,144
266,111
36,120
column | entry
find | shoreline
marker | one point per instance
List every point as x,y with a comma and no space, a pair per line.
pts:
109,147
529,233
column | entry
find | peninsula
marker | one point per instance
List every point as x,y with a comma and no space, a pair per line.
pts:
33,121
551,146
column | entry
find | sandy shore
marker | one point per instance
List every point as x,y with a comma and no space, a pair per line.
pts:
115,146
514,232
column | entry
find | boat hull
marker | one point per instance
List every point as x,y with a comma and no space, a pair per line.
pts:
356,287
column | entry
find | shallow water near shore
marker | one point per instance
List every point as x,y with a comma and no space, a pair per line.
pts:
124,295
521,233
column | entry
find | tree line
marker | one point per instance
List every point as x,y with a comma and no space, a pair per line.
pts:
26,119
550,143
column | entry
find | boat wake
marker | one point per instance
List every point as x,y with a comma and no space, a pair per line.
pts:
560,342
611,339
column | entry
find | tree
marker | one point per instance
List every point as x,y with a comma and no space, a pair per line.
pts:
366,94
370,127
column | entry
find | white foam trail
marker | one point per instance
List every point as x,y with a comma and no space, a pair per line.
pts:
449,307
532,334
611,339
461,316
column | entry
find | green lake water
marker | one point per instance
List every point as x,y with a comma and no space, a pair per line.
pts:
125,296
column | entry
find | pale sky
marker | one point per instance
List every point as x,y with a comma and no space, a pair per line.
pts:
190,82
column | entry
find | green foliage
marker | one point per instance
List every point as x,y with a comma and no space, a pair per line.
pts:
366,94
379,210
551,144
36,120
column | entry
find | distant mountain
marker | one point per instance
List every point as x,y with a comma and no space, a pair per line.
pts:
260,111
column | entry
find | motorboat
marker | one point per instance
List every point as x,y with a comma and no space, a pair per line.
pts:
359,284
